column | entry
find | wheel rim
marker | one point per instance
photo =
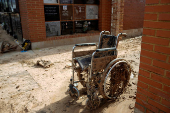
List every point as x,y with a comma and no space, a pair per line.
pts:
75,93
116,80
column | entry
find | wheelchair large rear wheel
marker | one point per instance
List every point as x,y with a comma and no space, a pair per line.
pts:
115,80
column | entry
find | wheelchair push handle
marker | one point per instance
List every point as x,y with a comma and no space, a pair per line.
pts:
122,34
106,32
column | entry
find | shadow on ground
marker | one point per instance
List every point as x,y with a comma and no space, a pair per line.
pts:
71,106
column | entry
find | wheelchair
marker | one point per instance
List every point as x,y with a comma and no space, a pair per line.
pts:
99,70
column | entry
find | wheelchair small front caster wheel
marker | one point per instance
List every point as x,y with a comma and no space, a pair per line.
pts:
74,92
93,104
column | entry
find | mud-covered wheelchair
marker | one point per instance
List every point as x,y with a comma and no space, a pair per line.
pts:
99,70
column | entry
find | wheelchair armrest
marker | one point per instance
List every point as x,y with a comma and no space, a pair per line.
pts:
106,49
85,44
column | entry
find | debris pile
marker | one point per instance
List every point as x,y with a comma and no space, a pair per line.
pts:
6,47
45,64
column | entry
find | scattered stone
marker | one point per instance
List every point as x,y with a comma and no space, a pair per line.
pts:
135,92
17,87
133,83
131,106
130,96
45,64
126,91
6,47
26,110
68,66
129,84
134,97
123,97
25,65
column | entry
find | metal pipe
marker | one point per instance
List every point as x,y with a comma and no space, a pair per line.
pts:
100,37
16,41
118,38
92,63
73,64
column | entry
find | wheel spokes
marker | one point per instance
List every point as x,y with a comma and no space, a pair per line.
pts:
116,81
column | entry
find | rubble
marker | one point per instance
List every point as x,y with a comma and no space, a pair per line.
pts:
6,47
129,84
48,90
133,83
131,106
130,96
45,64
68,66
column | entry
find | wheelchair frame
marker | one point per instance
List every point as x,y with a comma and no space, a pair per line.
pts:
92,93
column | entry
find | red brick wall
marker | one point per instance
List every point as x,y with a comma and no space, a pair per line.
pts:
33,21
117,17
133,14
105,15
153,91
24,18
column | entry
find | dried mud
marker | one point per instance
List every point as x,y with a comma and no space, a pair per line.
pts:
25,87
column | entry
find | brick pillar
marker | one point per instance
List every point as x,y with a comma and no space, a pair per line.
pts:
105,15
32,19
153,91
133,14
117,16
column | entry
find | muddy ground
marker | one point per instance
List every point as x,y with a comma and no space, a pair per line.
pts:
26,87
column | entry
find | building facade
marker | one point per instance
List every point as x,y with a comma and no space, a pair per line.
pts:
59,22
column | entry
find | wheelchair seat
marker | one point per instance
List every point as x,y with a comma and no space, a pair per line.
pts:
84,61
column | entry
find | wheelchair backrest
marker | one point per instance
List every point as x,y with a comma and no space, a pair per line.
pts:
107,41
103,58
